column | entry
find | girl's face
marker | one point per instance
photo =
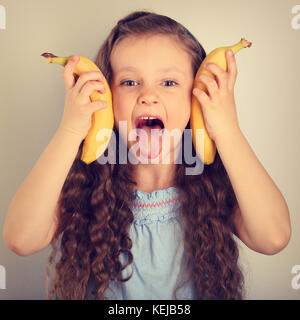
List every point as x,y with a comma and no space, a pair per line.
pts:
151,75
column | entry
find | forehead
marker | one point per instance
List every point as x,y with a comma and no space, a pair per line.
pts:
161,51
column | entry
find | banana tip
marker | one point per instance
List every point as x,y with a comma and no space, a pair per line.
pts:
246,44
48,56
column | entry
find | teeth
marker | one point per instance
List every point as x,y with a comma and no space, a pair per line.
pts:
147,118
149,121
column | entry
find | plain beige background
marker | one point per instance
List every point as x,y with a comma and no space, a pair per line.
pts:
267,96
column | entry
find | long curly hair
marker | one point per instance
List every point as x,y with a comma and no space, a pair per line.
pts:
93,207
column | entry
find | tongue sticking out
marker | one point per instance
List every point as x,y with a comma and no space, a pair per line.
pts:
150,140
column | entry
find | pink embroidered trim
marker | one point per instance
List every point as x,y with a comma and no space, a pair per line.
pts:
154,204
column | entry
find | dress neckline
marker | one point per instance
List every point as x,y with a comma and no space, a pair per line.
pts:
161,204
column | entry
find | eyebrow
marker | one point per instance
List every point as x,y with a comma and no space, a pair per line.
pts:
162,70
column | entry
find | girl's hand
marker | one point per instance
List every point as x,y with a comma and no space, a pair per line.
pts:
217,103
78,110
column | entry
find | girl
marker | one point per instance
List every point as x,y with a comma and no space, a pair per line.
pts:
148,231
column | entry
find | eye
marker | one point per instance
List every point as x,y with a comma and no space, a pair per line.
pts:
170,81
127,83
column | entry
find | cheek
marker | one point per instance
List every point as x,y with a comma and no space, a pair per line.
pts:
121,107
122,117
183,108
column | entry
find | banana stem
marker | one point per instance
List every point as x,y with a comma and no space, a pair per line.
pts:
51,58
243,43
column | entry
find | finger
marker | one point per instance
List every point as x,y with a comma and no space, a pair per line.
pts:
231,69
87,76
211,84
219,73
89,88
201,96
69,70
98,105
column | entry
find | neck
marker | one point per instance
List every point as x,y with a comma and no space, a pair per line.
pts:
150,177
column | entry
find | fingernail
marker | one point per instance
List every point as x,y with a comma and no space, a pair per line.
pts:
205,65
229,52
75,58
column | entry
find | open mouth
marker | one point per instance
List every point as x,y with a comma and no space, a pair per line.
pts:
149,139
149,122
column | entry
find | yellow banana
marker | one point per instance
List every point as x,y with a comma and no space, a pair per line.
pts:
208,151
101,119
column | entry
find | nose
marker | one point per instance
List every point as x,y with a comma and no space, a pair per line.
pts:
147,98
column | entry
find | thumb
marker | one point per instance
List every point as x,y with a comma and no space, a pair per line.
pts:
68,76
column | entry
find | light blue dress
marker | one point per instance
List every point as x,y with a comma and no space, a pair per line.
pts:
157,248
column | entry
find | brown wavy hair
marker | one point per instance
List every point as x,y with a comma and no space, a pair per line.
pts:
93,208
